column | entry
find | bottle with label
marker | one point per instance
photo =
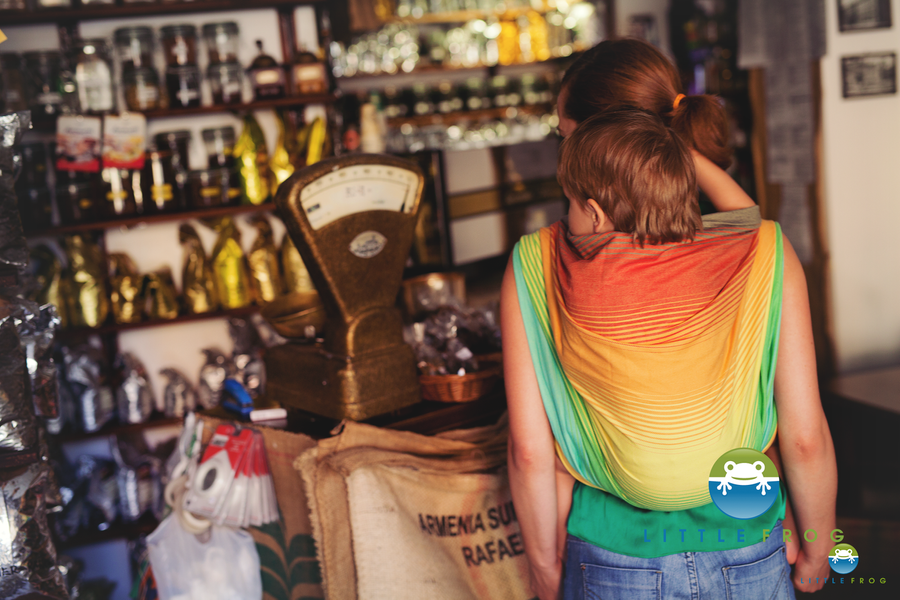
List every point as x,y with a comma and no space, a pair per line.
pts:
308,74
267,76
93,75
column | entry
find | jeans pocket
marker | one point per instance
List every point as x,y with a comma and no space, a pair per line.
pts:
767,578
612,583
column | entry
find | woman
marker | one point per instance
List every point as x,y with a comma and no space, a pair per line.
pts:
630,73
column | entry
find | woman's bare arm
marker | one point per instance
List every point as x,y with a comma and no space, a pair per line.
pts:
532,468
805,441
723,191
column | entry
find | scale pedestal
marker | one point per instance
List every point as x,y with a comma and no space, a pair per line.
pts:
352,219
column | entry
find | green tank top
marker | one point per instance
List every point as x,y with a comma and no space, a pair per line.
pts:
611,523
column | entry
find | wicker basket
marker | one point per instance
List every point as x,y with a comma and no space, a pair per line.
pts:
461,388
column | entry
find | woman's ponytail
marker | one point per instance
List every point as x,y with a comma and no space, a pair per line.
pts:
703,125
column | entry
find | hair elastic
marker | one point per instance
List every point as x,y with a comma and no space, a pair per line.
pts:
677,101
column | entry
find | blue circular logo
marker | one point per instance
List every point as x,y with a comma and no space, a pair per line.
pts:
843,558
743,483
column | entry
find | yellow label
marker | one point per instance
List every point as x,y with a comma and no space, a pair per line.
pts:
85,203
234,192
161,192
116,195
210,192
2,37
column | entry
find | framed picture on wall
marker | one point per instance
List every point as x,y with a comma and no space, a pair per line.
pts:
859,15
869,74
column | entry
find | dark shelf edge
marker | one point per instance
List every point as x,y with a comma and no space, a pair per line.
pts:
129,531
105,12
69,334
152,219
116,429
257,105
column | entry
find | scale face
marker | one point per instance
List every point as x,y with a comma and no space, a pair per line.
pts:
352,219
359,188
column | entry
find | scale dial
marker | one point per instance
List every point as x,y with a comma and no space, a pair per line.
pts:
358,188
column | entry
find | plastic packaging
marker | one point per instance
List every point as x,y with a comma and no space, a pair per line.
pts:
197,283
213,373
13,250
17,428
84,377
180,396
27,554
37,327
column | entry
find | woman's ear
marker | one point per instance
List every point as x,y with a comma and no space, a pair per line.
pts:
599,220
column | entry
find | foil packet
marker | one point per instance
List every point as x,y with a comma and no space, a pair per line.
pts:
213,374
179,397
27,554
37,327
296,275
233,286
45,279
13,250
17,425
94,401
125,295
263,261
134,397
159,295
138,481
252,158
87,300
250,369
197,281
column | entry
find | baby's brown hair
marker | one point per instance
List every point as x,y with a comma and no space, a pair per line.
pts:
639,172
630,72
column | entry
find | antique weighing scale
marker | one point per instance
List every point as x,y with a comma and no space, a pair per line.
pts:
352,219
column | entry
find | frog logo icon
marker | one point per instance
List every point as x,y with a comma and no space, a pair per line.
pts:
743,483
843,558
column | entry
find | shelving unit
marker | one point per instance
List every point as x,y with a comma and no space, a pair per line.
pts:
112,429
115,328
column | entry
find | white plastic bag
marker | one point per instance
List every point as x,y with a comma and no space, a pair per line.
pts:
225,567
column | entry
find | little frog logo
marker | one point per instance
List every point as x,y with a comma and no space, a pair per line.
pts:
743,483
843,558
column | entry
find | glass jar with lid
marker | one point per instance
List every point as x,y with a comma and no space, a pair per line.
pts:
134,46
183,85
93,75
176,143
161,188
179,44
226,82
141,87
221,42
42,82
219,144
12,85
209,187
119,191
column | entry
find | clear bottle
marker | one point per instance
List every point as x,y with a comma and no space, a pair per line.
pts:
93,75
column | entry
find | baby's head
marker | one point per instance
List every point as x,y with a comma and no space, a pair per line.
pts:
637,171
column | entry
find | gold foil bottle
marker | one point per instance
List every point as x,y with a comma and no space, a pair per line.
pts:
198,286
537,31
317,145
87,302
158,292
252,159
125,296
263,260
233,284
508,43
49,277
296,276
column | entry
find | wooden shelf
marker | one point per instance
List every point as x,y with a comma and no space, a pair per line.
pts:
116,428
117,531
205,213
424,69
81,332
286,102
470,115
103,12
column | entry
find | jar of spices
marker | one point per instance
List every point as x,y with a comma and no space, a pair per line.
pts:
12,86
141,88
209,187
134,46
160,186
118,190
93,75
226,82
179,44
183,85
76,202
176,143
221,42
42,82
219,144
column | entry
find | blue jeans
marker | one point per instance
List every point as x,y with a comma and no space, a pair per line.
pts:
757,572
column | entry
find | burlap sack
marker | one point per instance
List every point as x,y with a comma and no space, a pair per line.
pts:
398,515
287,554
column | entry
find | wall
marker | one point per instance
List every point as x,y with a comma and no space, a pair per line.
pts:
861,159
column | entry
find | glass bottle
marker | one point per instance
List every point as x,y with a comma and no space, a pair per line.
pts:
93,75
267,76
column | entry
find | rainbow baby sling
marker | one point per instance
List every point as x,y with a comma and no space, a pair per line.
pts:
652,362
